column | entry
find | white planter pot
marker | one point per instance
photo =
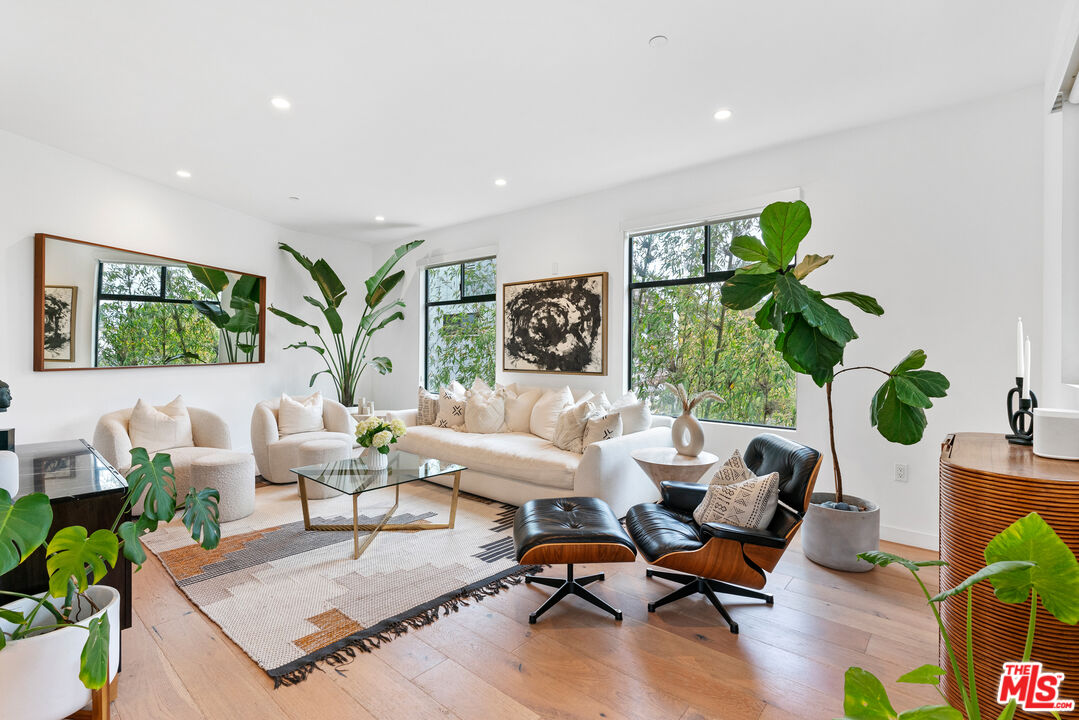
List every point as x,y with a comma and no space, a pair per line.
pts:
833,538
375,460
39,676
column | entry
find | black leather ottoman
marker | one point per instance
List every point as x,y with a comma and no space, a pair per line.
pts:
569,530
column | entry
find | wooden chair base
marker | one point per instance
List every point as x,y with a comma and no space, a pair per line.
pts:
692,584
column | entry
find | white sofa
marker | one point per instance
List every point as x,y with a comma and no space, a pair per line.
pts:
277,454
515,467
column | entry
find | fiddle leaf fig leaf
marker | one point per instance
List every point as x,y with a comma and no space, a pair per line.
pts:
745,290
791,295
924,675
929,382
910,393
1054,575
897,421
70,552
809,348
24,524
914,360
809,263
862,302
750,249
155,479
94,661
828,320
201,516
864,697
783,226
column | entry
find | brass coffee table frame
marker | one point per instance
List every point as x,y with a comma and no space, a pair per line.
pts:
381,525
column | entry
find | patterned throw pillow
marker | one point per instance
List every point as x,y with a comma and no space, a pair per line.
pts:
485,412
601,426
733,471
569,430
426,407
451,409
749,503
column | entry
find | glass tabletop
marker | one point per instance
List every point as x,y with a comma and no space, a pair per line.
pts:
353,477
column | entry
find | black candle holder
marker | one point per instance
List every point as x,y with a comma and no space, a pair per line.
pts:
1021,415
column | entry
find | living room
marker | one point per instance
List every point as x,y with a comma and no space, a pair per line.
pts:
542,150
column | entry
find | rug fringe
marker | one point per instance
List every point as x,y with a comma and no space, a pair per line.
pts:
367,643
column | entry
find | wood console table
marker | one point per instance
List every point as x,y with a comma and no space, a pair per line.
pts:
986,484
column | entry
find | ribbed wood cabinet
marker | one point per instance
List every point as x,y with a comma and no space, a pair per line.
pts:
987,484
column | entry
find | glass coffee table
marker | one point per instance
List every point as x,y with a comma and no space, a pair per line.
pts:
353,477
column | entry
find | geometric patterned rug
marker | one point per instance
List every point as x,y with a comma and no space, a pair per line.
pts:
292,599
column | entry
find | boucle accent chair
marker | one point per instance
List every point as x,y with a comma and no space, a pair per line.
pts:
277,454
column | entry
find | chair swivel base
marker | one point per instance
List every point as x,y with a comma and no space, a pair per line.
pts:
692,584
569,586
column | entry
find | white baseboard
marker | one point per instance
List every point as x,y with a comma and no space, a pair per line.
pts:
910,537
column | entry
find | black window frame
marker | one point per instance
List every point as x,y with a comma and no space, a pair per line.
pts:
161,297
462,299
709,276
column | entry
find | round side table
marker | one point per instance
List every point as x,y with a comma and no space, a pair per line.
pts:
665,464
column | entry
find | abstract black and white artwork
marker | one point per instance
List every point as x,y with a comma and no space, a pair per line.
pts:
556,325
60,322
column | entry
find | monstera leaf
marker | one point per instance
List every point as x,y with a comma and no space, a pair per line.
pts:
1053,572
201,516
898,407
130,533
70,552
94,661
23,527
153,482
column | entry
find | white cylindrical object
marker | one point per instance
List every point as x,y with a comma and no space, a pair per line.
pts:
9,472
1056,433
1027,368
1019,348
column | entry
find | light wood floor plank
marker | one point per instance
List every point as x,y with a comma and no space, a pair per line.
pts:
470,697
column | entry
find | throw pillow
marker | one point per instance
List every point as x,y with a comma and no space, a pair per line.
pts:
636,415
732,471
602,426
451,408
426,407
300,415
519,409
569,430
601,402
546,411
160,428
485,412
749,503
480,387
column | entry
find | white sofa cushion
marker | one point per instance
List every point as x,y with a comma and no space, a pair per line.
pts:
485,413
636,415
519,456
157,428
300,415
284,454
545,414
571,424
519,409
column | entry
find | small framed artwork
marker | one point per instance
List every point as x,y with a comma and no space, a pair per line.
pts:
59,338
556,325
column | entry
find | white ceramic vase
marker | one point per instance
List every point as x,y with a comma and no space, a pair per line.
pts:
39,676
376,460
9,472
687,435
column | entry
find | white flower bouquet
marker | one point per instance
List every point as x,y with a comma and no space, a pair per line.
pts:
376,433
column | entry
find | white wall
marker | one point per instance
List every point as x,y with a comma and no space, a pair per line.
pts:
45,190
938,215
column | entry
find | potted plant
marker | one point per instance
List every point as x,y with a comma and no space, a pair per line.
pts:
347,360
377,435
1027,562
59,645
811,335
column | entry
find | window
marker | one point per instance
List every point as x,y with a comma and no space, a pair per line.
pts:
460,329
679,332
145,317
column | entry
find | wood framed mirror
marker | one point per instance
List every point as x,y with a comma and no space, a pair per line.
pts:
101,307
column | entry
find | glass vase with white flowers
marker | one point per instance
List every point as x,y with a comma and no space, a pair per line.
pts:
377,435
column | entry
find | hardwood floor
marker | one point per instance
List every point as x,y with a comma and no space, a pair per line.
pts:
486,661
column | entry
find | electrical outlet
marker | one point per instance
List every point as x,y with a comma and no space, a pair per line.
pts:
901,472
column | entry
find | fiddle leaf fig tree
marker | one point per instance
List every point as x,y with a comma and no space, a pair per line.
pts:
812,333
347,359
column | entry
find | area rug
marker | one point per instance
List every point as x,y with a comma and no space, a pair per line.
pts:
292,599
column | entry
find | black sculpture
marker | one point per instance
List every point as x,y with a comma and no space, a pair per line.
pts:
5,396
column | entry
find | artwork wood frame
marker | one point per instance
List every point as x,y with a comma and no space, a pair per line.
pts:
556,325
58,323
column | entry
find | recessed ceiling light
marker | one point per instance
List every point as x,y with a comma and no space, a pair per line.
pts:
657,41
183,173
293,197
723,114
500,182
280,103
379,218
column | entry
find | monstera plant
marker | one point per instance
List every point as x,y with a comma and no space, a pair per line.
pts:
347,359
1026,563
811,334
76,560
239,330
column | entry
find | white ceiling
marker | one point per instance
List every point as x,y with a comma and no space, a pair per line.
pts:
411,109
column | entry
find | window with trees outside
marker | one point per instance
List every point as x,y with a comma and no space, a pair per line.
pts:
145,317
679,331
460,323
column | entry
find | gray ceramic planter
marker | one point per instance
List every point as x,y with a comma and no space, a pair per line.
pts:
834,538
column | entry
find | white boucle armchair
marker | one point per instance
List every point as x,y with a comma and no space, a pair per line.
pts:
277,454
112,440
